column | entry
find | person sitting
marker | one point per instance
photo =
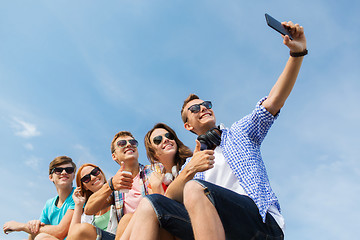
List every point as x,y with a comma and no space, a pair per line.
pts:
56,216
89,179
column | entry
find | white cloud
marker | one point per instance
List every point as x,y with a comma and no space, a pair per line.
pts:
33,162
29,146
24,129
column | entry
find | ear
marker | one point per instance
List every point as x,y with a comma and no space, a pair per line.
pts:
114,158
51,178
188,126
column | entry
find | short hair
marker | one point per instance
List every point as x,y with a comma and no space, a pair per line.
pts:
60,161
86,192
186,101
182,152
119,134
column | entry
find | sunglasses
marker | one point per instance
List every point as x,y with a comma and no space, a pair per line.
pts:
157,140
196,107
59,170
86,178
123,143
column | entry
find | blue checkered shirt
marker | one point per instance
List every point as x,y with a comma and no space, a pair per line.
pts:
241,148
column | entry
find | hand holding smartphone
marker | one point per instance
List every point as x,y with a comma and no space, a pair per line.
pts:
276,25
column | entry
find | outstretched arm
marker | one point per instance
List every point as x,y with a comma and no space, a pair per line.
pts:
285,83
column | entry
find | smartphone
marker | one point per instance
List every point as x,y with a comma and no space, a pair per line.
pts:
276,25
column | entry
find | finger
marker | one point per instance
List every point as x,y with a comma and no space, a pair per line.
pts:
197,147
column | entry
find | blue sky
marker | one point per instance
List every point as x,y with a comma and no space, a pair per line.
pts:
73,73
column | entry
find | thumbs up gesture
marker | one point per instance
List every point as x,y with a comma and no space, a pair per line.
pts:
122,179
201,160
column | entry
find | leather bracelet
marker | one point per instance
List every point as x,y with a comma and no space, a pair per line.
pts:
299,54
111,184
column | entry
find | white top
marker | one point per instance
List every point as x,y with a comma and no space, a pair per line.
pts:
222,175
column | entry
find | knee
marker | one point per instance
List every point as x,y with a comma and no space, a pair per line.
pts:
193,191
82,231
145,208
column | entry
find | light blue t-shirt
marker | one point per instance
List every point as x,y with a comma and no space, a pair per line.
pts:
51,214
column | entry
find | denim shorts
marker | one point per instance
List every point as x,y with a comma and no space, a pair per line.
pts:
238,213
104,235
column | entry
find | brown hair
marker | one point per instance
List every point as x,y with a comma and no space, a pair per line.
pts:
60,161
182,152
119,134
86,192
186,101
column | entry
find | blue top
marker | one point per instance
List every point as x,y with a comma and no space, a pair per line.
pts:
241,148
51,214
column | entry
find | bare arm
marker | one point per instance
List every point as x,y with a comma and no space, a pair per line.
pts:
98,200
102,199
79,201
61,230
201,161
286,81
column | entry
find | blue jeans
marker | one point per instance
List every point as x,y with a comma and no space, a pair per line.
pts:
239,215
104,235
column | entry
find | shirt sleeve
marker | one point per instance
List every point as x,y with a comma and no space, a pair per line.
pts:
44,215
255,125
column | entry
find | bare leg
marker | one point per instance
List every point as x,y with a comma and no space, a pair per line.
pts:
204,217
144,224
124,222
45,236
83,231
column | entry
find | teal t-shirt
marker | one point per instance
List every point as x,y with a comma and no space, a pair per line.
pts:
51,214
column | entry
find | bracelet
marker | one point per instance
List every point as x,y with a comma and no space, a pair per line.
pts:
299,54
111,184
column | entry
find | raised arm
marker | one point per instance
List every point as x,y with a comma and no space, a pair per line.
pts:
285,83
201,161
79,201
98,200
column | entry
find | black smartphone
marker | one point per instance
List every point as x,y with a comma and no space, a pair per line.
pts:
276,25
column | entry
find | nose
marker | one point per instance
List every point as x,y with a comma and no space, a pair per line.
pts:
63,172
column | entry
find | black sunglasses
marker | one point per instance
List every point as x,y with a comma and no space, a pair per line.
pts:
196,107
123,143
86,178
157,140
59,170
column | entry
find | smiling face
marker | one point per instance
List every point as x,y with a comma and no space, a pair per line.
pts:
167,148
201,121
96,182
129,154
64,179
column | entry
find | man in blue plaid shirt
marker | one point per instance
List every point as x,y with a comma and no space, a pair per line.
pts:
224,189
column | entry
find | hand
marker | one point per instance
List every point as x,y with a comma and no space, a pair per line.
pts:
122,180
12,226
34,226
298,44
201,160
155,181
78,197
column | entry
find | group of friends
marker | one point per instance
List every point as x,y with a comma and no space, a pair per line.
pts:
218,191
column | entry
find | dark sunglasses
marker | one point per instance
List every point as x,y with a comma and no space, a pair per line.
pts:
59,170
157,140
86,178
196,107
123,143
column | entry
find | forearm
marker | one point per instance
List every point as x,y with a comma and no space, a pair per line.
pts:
283,86
54,230
176,188
76,217
98,200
